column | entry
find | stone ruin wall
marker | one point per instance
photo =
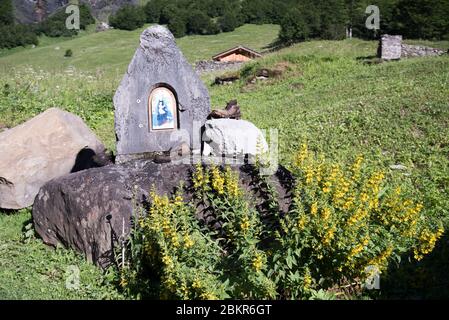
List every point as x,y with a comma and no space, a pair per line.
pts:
392,48
211,66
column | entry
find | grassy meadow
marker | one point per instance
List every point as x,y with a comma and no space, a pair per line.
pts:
393,113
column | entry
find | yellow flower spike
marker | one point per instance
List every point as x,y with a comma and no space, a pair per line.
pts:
327,187
245,224
302,155
328,236
307,280
258,262
178,201
196,284
314,208
232,183
188,242
301,223
309,176
217,180
167,261
208,296
325,214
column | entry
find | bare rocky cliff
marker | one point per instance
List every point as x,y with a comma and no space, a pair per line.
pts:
30,11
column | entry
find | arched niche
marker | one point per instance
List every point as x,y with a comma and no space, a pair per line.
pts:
162,109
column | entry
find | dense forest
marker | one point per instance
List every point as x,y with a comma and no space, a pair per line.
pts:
299,19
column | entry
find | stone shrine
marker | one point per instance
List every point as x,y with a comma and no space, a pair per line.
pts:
161,102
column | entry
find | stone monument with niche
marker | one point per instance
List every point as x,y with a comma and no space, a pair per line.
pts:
161,102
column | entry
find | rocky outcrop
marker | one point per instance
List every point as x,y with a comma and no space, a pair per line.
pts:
90,210
48,146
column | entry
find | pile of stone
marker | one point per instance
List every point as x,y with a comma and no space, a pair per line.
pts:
392,48
411,51
102,26
231,111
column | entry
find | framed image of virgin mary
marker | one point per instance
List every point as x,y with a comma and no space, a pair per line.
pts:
162,109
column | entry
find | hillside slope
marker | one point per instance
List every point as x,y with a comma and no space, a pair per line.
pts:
391,113
112,50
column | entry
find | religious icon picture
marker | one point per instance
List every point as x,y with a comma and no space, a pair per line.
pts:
162,105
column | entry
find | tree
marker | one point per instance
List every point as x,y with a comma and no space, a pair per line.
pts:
169,13
426,19
153,10
256,11
334,19
86,17
294,27
198,23
16,35
228,22
6,12
128,17
177,26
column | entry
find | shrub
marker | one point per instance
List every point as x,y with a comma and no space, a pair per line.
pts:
128,17
198,23
228,22
153,10
294,28
68,53
177,26
6,12
16,35
341,221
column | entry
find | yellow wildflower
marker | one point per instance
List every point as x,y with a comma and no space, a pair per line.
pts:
188,242
217,180
325,214
427,240
314,208
258,262
307,280
328,236
245,224
167,261
302,222
301,156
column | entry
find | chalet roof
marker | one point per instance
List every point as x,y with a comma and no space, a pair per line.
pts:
249,51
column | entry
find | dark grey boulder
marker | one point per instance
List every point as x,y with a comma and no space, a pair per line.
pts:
89,210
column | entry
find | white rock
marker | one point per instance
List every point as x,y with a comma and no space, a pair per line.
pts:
39,150
398,167
229,137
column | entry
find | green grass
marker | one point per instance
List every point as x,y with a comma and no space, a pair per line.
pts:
112,50
30,270
393,113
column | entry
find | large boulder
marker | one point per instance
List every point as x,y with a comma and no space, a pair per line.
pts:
48,146
91,209
230,137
